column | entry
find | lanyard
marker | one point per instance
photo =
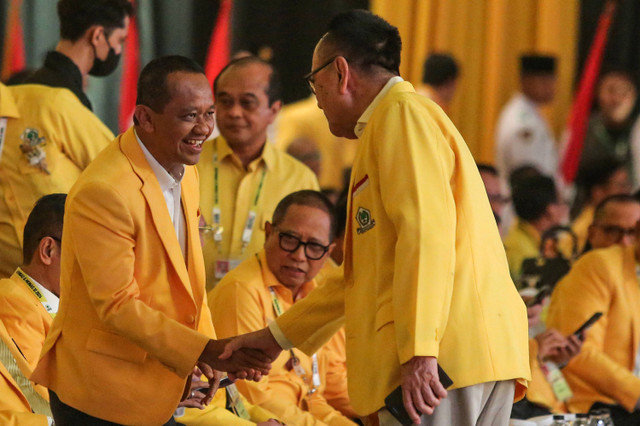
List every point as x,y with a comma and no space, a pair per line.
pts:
300,372
3,133
253,212
36,291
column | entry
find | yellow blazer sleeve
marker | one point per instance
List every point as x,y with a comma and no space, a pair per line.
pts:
100,222
587,289
424,217
311,322
82,135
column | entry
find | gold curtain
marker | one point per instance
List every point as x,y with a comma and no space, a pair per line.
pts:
487,37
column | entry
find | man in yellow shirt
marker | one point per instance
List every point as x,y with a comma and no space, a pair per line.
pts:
298,242
43,150
535,200
425,275
242,175
29,299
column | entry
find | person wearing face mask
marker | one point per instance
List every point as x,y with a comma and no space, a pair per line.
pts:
92,34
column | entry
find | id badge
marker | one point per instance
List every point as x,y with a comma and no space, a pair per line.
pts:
559,384
224,266
236,403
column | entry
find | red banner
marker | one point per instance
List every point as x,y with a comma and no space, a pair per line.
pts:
218,53
13,52
130,72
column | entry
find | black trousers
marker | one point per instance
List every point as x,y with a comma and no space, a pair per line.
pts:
64,415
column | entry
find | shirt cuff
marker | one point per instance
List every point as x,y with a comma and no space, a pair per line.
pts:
279,336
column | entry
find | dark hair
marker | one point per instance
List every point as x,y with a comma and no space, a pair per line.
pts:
613,69
45,220
273,90
152,83
591,175
598,213
439,69
365,40
77,16
487,168
522,173
307,198
531,197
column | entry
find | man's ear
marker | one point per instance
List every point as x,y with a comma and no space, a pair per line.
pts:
342,68
268,228
95,32
144,115
331,247
46,249
275,109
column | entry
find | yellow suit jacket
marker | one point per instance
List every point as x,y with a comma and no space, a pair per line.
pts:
605,281
26,320
425,273
14,407
70,136
133,317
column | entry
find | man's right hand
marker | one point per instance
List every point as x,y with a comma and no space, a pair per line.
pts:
261,340
243,363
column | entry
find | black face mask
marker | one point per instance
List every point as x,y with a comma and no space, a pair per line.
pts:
102,68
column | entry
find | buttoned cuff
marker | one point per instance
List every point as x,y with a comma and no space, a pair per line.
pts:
277,333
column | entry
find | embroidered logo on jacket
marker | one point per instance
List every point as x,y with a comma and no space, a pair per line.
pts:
31,147
364,219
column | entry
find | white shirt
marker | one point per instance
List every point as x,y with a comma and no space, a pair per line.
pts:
523,137
366,115
171,190
52,300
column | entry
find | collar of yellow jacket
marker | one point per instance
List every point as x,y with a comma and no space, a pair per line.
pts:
366,115
529,230
270,280
8,106
224,150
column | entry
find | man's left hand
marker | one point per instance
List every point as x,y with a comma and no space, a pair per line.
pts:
421,387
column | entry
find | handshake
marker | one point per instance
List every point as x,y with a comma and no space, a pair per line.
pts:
248,356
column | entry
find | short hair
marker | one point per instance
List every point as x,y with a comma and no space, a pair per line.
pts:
531,197
614,69
309,198
596,173
487,168
152,83
598,213
439,69
365,40
77,16
522,173
45,220
274,89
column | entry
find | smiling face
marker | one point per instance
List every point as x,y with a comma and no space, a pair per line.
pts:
309,224
242,105
179,130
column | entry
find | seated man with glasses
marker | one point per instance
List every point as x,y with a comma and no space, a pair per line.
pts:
606,373
299,240
29,299
614,222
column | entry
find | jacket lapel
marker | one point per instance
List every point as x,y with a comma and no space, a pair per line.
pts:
157,205
190,197
632,291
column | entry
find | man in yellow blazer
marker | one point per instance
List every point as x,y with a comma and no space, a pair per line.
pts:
607,369
45,149
133,320
425,275
29,299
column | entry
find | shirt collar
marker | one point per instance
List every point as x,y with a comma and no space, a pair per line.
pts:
52,300
165,179
63,64
8,107
366,115
224,150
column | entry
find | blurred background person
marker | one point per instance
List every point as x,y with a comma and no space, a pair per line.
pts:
614,222
440,74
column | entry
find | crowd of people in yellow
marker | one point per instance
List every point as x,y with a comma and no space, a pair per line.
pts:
169,276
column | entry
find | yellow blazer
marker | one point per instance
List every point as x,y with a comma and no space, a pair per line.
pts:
133,318
425,272
601,281
14,407
26,320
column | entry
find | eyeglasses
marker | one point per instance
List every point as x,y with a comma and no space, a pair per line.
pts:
309,77
617,232
290,243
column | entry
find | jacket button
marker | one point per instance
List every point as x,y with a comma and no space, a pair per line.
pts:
191,319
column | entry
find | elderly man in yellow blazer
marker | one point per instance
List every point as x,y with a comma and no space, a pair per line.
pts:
133,320
425,275
607,369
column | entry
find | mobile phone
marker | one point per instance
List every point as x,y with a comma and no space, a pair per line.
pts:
539,297
395,404
588,323
224,382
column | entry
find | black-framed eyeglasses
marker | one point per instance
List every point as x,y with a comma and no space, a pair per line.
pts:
290,243
618,232
309,77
